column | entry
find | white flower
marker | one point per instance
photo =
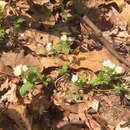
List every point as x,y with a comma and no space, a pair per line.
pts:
49,46
24,68
24,81
17,70
108,63
118,69
70,39
64,38
74,78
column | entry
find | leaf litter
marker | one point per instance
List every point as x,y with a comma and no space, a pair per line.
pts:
59,104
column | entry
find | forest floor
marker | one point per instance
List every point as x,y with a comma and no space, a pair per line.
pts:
56,73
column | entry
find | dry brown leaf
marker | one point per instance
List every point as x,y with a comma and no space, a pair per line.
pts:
4,69
10,96
5,85
38,40
117,19
126,14
120,3
18,113
19,58
81,107
12,59
91,123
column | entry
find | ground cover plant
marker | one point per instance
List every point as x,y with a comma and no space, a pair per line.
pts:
64,63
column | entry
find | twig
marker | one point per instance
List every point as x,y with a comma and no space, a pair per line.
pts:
104,41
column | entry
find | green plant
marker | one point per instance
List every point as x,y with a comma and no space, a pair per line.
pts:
64,69
79,81
31,77
103,78
18,22
109,74
2,34
123,88
76,95
63,10
46,82
63,47
2,30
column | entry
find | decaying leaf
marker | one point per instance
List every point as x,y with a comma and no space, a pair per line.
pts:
18,113
19,58
90,122
117,19
10,96
81,107
126,14
5,85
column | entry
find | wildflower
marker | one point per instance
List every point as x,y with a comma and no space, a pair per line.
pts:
108,63
24,68
49,46
118,69
70,39
64,38
18,70
24,81
74,78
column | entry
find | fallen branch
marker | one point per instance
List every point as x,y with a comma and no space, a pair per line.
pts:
104,41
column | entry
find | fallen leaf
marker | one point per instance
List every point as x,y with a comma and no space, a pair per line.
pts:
18,113
117,19
81,107
126,14
91,123
5,85
10,95
19,58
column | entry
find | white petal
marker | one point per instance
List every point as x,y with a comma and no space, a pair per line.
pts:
74,78
64,38
25,68
49,46
106,62
17,70
118,69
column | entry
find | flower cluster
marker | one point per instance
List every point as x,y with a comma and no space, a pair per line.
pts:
64,38
117,69
19,69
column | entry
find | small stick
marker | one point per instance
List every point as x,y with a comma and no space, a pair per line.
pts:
104,41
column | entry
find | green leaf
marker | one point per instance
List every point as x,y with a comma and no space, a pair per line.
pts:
66,50
64,69
127,96
118,88
25,87
84,78
34,70
20,20
58,47
17,25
